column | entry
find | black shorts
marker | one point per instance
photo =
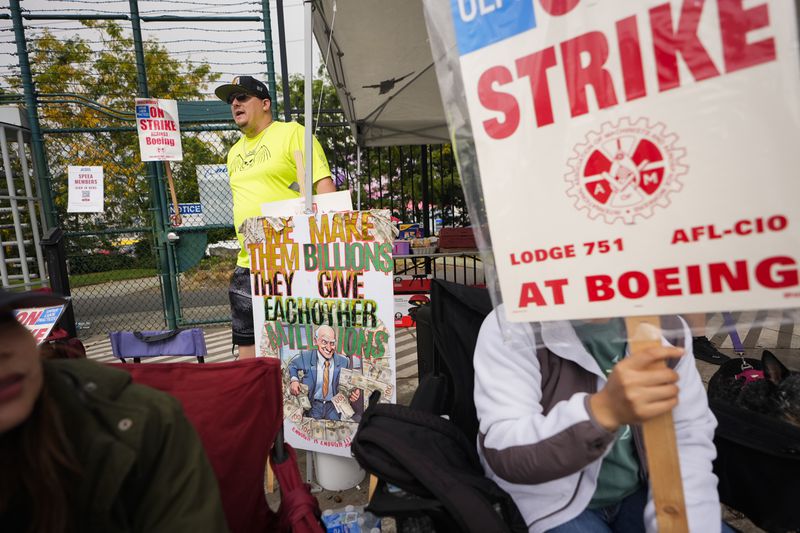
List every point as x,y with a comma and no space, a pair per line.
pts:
243,333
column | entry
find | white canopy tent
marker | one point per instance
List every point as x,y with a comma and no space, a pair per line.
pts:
381,64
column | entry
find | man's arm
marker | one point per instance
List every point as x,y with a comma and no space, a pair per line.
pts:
323,183
324,186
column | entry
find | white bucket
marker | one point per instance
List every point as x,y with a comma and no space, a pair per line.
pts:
337,473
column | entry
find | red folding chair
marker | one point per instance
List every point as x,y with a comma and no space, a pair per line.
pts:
237,411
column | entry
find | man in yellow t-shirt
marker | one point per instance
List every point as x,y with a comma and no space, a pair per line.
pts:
261,168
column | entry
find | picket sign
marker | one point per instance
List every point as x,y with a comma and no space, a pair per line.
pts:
664,468
159,132
611,123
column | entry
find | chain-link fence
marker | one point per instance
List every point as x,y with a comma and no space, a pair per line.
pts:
111,258
115,273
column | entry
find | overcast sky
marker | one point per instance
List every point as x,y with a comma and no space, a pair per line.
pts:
230,47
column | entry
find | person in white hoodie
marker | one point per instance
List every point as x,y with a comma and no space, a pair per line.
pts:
560,406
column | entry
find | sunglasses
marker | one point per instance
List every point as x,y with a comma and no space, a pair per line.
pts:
241,98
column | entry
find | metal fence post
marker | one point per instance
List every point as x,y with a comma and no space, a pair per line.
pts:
166,264
37,143
265,16
287,103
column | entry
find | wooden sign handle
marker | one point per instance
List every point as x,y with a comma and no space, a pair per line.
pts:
301,172
659,440
176,217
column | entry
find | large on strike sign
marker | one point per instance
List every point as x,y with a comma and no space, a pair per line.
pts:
659,142
159,129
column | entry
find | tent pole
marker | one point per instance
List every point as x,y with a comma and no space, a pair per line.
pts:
358,177
309,106
287,104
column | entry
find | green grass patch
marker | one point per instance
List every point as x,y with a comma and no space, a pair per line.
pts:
83,280
209,272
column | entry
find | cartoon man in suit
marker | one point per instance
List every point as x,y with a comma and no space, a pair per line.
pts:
320,370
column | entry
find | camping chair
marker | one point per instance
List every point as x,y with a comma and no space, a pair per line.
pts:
176,342
237,411
457,313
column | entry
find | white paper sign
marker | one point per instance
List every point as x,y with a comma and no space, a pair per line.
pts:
192,215
636,157
320,203
159,129
84,189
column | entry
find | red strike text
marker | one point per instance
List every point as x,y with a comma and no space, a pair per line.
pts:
584,59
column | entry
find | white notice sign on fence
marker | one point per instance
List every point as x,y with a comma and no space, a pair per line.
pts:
85,189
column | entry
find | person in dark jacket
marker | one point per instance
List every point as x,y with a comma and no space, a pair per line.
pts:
82,448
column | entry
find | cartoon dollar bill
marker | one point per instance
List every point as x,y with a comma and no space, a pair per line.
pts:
342,405
318,429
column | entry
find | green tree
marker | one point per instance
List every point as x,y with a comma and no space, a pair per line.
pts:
84,86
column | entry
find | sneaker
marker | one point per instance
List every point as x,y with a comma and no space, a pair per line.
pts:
705,350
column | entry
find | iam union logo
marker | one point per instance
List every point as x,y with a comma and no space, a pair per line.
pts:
626,169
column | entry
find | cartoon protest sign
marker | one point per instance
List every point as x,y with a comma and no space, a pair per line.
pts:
322,303
159,129
632,156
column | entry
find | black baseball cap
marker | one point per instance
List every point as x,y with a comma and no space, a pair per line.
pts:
243,84
10,301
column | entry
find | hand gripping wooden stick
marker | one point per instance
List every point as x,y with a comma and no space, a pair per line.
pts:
659,440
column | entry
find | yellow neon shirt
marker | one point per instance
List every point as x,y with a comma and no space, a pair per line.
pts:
262,168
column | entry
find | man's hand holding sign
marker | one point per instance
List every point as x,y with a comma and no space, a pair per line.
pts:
160,140
621,153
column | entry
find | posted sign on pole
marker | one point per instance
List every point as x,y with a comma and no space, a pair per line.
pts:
636,156
159,129
85,189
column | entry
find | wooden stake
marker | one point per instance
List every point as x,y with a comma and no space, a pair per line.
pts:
269,484
301,172
659,440
176,218
373,484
